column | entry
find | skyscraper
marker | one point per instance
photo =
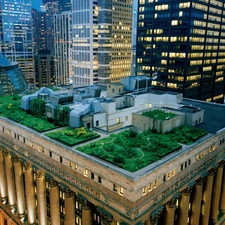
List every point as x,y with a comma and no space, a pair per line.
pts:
101,40
39,30
62,46
51,8
16,34
184,42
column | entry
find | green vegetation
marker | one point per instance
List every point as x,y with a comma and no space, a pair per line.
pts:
133,151
159,114
10,108
72,136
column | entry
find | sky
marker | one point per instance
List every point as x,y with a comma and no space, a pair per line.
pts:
36,4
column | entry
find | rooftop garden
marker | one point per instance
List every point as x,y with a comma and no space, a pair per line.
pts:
72,136
10,108
159,114
133,151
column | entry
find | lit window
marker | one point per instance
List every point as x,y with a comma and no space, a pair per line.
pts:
121,191
150,187
144,191
85,172
118,120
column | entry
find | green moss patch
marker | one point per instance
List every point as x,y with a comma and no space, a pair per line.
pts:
159,114
71,136
133,151
10,108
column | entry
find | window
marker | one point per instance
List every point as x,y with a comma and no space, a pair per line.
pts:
23,140
70,164
92,176
181,166
99,180
97,123
155,183
144,191
50,154
85,172
114,187
75,166
121,191
118,120
150,187
60,159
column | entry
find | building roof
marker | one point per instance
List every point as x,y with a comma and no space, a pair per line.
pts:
214,114
4,61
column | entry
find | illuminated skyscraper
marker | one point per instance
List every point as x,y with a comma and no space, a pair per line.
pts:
101,40
62,46
16,34
184,42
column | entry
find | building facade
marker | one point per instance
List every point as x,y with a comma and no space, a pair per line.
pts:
51,8
16,35
101,41
44,69
12,80
62,185
62,46
39,30
184,43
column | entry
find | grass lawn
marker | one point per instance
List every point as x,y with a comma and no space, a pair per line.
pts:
133,151
10,108
72,136
159,114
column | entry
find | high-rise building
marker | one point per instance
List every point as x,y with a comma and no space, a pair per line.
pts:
134,40
62,46
51,8
44,69
39,30
64,5
101,41
16,34
184,43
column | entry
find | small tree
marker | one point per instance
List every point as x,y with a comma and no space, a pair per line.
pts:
38,107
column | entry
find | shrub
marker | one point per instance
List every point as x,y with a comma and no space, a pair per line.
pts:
118,159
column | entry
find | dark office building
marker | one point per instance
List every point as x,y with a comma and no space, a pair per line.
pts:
39,30
44,69
184,42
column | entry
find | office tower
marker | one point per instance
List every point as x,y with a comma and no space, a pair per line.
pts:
12,80
44,69
64,5
184,43
134,40
39,30
16,34
101,40
46,181
62,45
51,8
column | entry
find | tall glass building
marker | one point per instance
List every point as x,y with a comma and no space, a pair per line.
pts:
16,34
184,43
101,40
